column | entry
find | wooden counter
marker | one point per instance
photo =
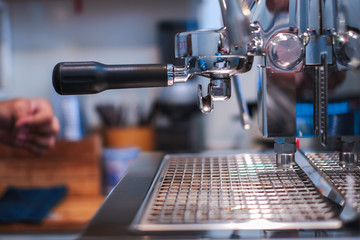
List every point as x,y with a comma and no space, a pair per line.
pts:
77,165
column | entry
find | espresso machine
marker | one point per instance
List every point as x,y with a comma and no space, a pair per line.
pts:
306,54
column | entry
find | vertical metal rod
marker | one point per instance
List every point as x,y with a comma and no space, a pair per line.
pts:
236,22
320,17
244,111
322,100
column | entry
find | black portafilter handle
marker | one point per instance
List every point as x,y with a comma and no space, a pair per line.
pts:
93,77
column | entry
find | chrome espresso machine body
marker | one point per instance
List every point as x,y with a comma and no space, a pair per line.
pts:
308,86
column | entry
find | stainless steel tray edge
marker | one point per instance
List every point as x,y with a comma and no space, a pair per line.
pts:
134,226
319,179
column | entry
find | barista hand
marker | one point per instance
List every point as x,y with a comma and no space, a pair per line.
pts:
28,123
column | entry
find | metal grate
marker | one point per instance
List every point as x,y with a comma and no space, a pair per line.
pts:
347,181
233,189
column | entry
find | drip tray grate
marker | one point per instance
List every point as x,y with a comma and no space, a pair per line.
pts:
244,191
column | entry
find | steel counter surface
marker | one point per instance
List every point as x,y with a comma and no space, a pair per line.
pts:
120,207
114,218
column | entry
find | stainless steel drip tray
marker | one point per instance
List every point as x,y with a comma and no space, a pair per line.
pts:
237,191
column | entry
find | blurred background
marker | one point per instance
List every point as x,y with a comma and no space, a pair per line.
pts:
37,34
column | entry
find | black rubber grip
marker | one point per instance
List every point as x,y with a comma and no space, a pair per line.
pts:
93,77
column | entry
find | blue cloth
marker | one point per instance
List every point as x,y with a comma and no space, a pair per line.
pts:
29,205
